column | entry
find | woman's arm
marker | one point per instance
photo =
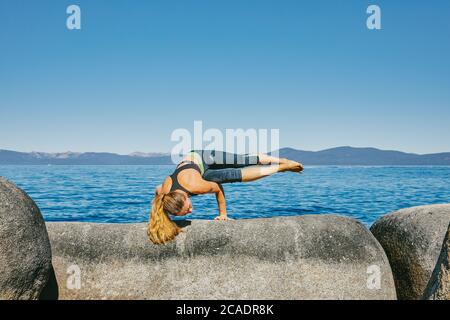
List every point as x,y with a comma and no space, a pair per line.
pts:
158,189
221,203
204,186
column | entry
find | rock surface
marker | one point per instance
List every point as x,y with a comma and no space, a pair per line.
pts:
25,254
412,239
306,257
439,286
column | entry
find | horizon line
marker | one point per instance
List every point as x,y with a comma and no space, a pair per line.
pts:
169,153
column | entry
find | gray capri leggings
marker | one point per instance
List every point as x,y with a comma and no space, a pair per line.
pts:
224,167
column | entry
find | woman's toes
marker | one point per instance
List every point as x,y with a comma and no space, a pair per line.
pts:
296,166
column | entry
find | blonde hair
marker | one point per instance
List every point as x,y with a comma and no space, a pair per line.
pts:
161,228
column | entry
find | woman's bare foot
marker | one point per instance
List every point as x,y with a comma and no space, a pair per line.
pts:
290,166
265,159
295,166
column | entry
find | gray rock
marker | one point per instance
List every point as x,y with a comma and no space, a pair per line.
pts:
25,255
439,286
412,239
307,257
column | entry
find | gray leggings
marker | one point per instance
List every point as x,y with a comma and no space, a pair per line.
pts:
225,167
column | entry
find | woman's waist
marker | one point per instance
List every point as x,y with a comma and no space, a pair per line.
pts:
195,156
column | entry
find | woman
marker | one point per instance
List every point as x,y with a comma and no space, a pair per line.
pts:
200,172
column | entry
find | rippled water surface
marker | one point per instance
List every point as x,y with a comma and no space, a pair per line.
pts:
123,193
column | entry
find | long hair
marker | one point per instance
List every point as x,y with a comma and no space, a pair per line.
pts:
161,228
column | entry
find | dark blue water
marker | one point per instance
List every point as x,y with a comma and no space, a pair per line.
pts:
123,193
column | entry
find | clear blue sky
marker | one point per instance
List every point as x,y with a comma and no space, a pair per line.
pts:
137,70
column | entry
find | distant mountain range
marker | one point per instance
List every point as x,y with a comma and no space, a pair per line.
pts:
364,156
334,156
8,157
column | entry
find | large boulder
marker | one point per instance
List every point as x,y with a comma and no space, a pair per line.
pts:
307,257
25,255
412,239
439,286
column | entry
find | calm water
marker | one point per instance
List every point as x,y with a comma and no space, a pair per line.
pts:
123,193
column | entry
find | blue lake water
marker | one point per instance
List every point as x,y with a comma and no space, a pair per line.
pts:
123,193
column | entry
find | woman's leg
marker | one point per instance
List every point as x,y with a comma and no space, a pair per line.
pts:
221,160
223,167
224,160
257,172
266,159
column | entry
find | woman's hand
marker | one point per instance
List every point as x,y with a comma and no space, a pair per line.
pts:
222,218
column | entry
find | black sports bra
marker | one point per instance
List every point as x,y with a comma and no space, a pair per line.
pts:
174,176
